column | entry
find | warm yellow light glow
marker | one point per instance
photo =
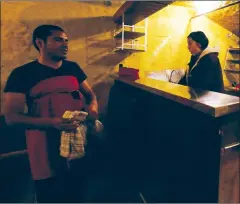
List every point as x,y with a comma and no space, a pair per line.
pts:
205,6
160,46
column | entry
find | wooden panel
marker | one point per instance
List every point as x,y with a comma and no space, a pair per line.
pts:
128,50
229,188
126,6
166,161
137,11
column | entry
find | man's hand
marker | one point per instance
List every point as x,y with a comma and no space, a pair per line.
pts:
64,124
93,112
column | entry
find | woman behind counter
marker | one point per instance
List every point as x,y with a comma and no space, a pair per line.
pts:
204,67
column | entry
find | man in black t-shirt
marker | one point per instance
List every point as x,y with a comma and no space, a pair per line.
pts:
50,85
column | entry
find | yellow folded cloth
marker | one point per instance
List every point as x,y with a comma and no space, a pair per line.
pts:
72,143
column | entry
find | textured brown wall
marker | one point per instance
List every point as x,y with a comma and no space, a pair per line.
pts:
89,27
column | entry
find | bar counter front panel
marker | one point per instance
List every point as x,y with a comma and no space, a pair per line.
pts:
164,138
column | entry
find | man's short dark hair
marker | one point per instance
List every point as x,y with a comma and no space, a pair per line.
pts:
200,38
42,32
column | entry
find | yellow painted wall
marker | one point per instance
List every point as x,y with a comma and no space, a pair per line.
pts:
167,41
218,36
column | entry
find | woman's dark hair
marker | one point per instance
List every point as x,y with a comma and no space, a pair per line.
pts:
200,38
42,32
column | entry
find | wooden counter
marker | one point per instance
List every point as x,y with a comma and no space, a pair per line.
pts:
165,139
212,103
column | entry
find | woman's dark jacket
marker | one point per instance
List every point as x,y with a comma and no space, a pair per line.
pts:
207,74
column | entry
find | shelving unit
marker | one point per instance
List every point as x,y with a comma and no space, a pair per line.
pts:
118,49
232,65
128,36
237,61
234,50
230,70
127,16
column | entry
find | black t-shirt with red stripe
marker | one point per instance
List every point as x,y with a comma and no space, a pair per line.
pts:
23,78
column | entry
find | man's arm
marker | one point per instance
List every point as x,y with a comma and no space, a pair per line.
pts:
91,99
14,115
14,112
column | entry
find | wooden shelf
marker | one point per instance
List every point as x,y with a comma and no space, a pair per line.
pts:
231,67
235,61
128,50
130,35
230,70
136,11
234,50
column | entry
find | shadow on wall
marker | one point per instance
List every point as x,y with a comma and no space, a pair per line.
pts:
101,51
79,27
19,33
91,37
102,90
96,34
88,28
95,43
108,59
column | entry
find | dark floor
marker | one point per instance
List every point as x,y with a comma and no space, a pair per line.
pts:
105,187
108,182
